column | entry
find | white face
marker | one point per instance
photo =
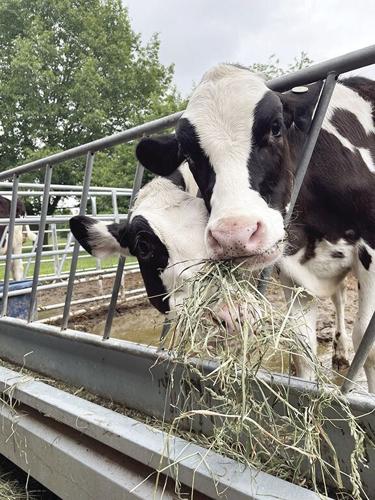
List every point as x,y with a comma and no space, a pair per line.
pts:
221,113
179,220
165,233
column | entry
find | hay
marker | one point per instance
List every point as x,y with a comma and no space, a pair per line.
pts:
243,415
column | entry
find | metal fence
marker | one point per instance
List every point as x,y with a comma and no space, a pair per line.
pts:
57,249
106,365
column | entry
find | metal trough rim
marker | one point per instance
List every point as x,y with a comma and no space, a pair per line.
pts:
358,400
206,470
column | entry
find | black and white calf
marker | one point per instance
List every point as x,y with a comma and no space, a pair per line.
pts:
242,142
20,235
165,232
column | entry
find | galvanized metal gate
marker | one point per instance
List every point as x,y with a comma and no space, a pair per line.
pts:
128,373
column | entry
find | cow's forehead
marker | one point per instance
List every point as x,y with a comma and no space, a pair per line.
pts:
221,110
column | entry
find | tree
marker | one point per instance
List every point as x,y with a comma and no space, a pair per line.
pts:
72,71
272,68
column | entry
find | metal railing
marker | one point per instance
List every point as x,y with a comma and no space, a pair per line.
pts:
328,71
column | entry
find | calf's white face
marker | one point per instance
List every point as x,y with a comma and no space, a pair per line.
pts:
234,136
165,233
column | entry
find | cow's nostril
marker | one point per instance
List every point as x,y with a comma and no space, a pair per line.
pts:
213,240
253,230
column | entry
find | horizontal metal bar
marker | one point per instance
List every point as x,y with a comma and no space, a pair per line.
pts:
56,219
79,312
106,142
73,187
341,64
66,193
150,446
87,300
71,464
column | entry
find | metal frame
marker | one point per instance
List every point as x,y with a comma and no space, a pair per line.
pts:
101,430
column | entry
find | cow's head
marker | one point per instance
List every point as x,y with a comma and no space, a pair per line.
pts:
236,135
165,233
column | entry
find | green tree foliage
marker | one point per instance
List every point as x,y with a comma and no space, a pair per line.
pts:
272,68
72,71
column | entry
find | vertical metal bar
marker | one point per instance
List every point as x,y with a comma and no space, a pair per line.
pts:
98,263
114,205
55,247
73,265
121,263
26,272
8,264
364,348
307,152
39,248
66,248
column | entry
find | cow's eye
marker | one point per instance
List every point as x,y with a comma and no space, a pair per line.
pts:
144,250
276,129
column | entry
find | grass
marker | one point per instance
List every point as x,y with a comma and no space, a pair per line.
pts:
246,417
85,261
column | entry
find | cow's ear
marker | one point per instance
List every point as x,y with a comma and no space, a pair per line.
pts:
98,238
160,154
299,105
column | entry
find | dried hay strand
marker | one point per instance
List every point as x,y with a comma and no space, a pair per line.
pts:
220,386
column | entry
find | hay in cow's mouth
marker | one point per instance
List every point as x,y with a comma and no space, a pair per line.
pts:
219,385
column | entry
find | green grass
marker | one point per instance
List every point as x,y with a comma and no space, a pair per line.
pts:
85,261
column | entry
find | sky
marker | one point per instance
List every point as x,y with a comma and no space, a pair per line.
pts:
197,34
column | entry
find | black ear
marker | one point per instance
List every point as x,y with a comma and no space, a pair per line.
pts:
98,238
161,154
299,105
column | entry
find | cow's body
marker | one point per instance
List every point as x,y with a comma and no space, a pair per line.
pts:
18,238
242,142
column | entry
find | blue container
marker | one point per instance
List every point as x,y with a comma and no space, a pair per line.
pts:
18,306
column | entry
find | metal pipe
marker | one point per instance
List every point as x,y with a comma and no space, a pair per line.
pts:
65,193
56,219
39,248
90,299
364,348
73,265
103,274
304,161
97,145
73,187
12,216
341,64
121,263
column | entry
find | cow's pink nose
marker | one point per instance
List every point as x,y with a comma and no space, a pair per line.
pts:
235,237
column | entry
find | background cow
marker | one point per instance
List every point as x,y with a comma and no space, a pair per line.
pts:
21,233
242,142
165,232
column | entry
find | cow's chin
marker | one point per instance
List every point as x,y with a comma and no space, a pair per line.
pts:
259,260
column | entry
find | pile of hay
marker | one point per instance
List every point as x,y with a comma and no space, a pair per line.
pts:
222,387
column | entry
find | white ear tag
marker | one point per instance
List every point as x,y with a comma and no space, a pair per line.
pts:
300,90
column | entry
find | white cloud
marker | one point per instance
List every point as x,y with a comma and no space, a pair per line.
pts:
197,34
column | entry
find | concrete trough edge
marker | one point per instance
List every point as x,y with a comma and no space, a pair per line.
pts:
208,471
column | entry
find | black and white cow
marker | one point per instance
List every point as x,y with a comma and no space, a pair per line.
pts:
165,232
242,142
20,235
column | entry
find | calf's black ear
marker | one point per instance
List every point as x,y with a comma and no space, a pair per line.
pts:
299,105
98,238
160,154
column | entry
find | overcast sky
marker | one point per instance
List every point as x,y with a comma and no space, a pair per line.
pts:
196,34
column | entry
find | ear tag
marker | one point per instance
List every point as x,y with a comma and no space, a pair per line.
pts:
300,90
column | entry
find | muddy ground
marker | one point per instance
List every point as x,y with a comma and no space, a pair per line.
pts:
139,322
